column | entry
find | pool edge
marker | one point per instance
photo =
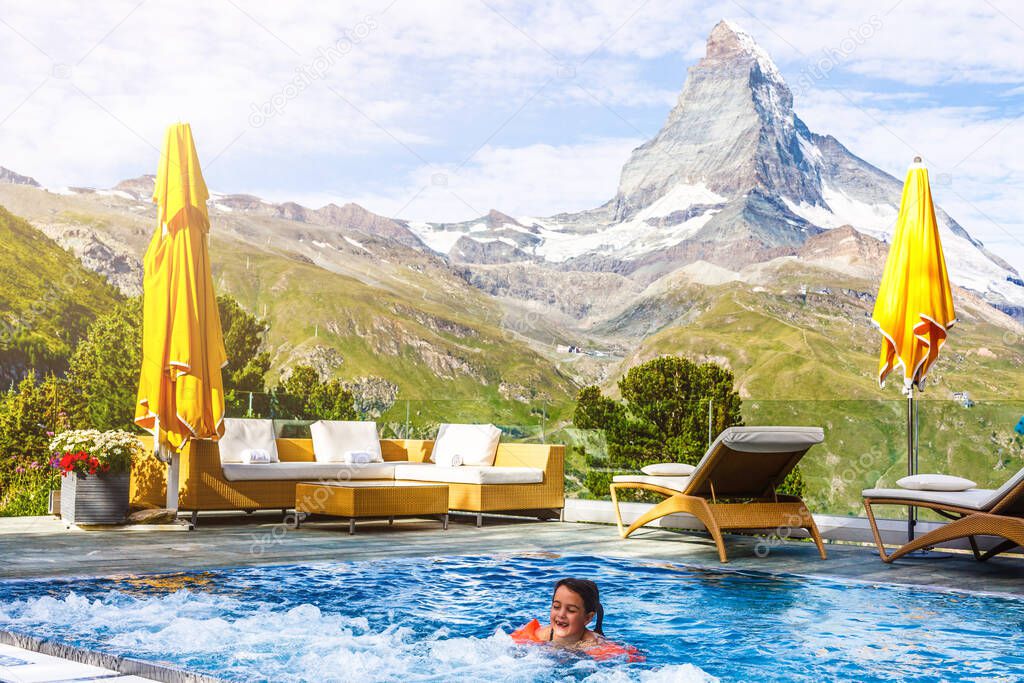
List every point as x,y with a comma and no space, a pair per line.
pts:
122,665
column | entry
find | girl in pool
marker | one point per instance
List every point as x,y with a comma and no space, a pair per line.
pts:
575,604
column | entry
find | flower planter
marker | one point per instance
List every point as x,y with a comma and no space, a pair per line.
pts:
94,498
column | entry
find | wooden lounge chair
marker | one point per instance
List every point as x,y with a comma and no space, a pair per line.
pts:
735,484
975,512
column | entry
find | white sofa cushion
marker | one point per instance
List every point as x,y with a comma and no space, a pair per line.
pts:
470,475
935,482
334,439
309,471
668,469
241,435
473,444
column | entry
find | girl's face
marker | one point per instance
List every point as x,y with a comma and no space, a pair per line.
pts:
569,618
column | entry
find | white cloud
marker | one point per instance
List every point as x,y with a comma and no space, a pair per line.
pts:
537,180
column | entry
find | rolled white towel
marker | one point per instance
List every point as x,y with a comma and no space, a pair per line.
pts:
256,456
358,457
450,460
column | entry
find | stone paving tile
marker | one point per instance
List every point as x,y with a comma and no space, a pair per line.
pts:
42,547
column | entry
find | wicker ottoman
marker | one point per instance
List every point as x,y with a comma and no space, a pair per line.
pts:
372,499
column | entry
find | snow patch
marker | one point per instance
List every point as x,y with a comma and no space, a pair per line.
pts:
440,240
356,244
115,193
680,198
876,220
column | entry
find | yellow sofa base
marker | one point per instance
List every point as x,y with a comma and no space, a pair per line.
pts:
202,486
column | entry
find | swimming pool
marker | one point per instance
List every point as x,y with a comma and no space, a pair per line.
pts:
435,619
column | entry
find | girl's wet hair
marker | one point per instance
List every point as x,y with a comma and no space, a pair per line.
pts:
591,596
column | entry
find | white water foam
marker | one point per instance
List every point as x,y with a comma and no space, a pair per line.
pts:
247,639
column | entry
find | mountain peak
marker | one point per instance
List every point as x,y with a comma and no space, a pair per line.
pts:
10,177
729,42
732,131
496,219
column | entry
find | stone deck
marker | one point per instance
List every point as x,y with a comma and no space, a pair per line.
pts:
41,547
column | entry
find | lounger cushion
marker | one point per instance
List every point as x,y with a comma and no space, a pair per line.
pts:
241,435
1003,490
474,444
668,469
470,474
674,483
973,499
770,439
307,471
935,482
333,439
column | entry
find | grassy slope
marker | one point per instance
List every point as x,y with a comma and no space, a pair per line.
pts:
47,298
797,360
368,326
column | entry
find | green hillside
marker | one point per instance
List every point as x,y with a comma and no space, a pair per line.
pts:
47,299
810,359
446,354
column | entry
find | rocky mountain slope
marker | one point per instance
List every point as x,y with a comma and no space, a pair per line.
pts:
343,289
734,177
47,300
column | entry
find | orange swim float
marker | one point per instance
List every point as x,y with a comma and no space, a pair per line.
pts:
606,650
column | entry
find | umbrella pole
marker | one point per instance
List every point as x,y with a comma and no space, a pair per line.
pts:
911,457
173,464
164,454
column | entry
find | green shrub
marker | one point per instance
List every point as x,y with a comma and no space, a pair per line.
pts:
28,491
669,405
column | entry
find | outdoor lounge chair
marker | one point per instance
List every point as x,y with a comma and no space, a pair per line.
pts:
735,484
975,512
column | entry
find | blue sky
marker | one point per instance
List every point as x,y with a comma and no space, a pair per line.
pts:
443,110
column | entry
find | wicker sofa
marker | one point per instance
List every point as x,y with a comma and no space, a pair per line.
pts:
206,486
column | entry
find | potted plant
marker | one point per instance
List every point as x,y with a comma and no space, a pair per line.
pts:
95,472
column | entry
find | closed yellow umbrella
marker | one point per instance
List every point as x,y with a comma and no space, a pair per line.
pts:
181,394
914,308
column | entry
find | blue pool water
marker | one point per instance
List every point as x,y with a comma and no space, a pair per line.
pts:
437,619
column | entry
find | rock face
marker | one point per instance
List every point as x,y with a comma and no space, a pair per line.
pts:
357,218
100,253
373,395
11,178
324,359
140,188
733,129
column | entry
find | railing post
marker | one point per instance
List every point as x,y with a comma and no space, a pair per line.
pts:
711,425
543,420
911,457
